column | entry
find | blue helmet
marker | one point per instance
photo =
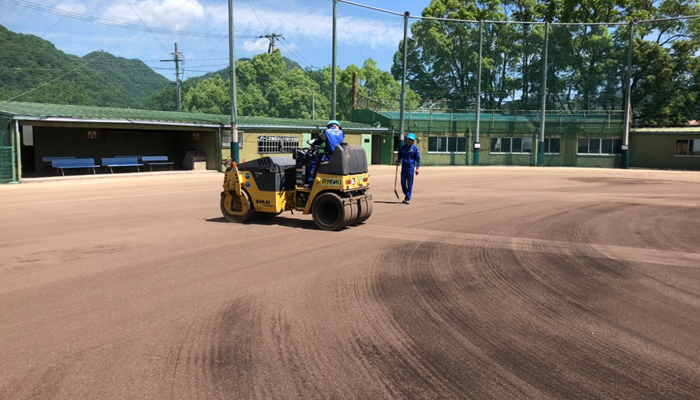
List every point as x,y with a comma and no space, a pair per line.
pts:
333,122
411,136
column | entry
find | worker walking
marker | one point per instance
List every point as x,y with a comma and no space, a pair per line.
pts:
409,157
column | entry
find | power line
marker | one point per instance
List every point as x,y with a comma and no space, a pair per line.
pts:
144,24
115,24
273,36
518,22
351,34
79,66
60,19
256,16
291,47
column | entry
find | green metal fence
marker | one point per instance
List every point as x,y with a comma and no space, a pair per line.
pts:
6,153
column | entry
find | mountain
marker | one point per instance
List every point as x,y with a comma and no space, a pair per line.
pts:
33,70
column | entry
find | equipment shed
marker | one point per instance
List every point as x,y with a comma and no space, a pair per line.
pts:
665,148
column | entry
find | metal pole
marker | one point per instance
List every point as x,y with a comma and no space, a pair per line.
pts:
234,108
402,113
624,161
10,130
313,104
18,142
540,145
334,62
477,145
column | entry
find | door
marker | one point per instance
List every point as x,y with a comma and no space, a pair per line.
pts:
376,150
367,145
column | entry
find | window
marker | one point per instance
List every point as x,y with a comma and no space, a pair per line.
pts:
277,144
511,145
552,146
226,138
599,146
447,145
690,147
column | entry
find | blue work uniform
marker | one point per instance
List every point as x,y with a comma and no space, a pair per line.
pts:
332,137
410,161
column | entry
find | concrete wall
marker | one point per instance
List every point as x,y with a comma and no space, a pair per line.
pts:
658,151
493,126
567,156
250,144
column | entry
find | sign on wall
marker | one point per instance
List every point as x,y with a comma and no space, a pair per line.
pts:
28,135
92,135
195,136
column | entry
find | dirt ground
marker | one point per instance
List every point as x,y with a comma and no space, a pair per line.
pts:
495,283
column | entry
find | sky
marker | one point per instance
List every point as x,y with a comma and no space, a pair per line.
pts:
200,28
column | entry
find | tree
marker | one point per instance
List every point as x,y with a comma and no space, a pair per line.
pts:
210,96
373,83
443,56
587,65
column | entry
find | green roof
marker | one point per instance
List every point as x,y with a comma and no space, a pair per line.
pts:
41,110
499,116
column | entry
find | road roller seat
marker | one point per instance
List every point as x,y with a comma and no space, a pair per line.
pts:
345,160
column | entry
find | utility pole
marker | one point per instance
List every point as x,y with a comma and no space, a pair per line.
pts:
177,57
272,37
313,103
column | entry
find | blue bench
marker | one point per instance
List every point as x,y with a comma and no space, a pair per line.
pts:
61,164
157,160
110,163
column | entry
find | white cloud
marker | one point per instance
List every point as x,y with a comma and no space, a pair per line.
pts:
170,14
257,46
311,24
79,8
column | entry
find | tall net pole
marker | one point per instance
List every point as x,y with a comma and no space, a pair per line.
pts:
234,109
540,147
334,61
624,161
477,128
402,113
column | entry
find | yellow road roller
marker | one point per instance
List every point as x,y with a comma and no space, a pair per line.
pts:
335,192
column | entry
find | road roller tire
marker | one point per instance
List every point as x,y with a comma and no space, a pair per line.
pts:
368,210
352,211
329,212
365,210
244,202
